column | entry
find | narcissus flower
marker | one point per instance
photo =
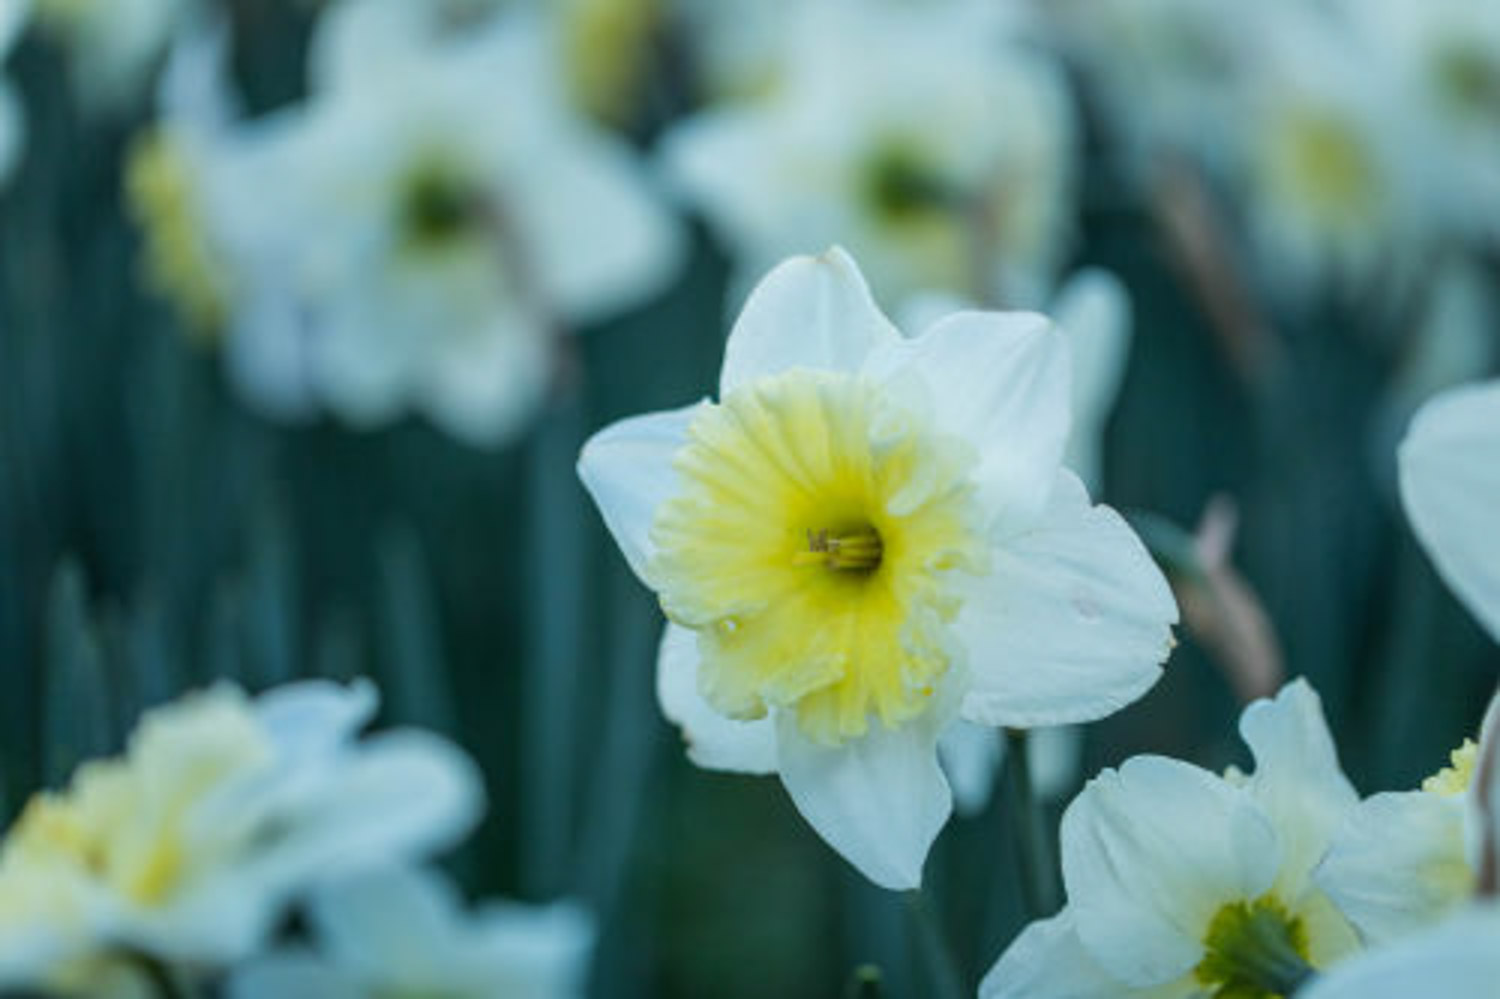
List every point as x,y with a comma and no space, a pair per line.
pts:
1325,165
425,234
189,846
402,932
1450,486
1402,861
1461,955
928,139
867,538
1183,883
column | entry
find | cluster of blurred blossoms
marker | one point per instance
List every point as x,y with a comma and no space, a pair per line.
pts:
466,183
179,864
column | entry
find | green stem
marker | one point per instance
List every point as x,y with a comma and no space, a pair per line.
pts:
1033,846
933,945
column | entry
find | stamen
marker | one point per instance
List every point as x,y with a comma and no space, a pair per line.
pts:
858,551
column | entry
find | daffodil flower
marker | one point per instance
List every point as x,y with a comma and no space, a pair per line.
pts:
867,538
1444,56
1403,860
958,178
1450,487
1183,883
1324,170
1459,956
399,931
221,811
424,233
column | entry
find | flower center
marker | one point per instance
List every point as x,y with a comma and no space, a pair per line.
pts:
1469,80
857,551
1254,950
901,188
438,207
1326,166
813,546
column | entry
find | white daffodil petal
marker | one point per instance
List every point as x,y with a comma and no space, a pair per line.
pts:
627,469
386,923
1397,864
292,975
540,952
970,754
12,130
481,384
810,312
314,716
407,794
1048,961
1459,958
993,377
1450,485
1150,854
744,204
1072,622
1298,780
599,236
1093,310
714,741
879,800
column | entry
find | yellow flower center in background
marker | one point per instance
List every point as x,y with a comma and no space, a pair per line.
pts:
813,547
128,822
180,264
1455,779
1321,161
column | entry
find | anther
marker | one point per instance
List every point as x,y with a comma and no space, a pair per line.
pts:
858,551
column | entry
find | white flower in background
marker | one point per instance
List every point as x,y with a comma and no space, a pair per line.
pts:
1450,487
404,932
1444,56
1458,960
1164,71
422,235
113,46
1324,172
1092,310
191,845
1183,883
867,538
938,151
1403,860
13,18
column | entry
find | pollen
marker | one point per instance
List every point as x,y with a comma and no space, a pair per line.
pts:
818,545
